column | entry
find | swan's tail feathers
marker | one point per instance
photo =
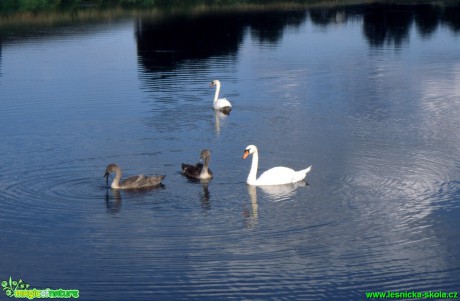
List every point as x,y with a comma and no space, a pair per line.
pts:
306,170
301,174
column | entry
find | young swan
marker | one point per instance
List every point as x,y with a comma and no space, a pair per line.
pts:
134,182
275,176
199,171
221,104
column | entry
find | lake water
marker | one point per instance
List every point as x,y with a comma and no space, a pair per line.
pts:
368,95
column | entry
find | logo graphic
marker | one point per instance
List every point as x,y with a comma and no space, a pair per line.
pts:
21,290
10,286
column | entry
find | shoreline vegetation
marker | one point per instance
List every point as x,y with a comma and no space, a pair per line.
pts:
51,12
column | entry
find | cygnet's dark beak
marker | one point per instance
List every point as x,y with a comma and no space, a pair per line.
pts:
106,176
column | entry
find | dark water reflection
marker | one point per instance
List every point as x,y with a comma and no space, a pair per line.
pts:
163,44
366,94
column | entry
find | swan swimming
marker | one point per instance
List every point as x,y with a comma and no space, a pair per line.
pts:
199,171
134,182
221,104
275,176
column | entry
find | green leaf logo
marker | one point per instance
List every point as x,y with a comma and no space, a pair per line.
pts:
10,286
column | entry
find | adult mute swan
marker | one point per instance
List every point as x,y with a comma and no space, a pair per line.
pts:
275,176
134,182
199,171
221,104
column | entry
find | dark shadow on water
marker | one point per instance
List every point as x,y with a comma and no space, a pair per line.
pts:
386,25
166,43
390,24
427,20
165,39
162,45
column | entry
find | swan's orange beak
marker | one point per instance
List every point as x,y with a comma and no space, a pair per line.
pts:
246,154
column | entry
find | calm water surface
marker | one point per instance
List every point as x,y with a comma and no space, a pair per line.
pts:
370,96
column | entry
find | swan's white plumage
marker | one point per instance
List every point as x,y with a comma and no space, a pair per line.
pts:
275,176
220,103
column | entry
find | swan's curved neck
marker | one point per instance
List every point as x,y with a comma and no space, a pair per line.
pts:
204,171
216,95
252,177
116,180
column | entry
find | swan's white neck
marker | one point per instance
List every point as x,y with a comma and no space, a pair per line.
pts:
204,174
216,95
116,181
252,177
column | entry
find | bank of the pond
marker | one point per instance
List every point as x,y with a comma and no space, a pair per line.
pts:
27,9
55,12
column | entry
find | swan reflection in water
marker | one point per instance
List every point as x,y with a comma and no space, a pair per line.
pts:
252,216
219,117
274,193
284,192
113,198
113,204
204,193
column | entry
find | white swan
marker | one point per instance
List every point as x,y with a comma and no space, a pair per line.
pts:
275,176
221,104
